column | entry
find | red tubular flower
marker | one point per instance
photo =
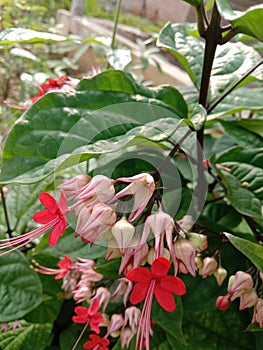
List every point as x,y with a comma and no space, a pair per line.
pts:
89,315
97,343
164,286
55,213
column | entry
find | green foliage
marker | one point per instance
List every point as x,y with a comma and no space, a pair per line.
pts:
111,124
20,289
34,335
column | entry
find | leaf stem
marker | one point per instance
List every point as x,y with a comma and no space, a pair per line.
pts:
8,231
116,21
232,87
212,37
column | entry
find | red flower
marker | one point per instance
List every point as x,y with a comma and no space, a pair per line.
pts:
96,343
55,213
89,315
164,286
65,265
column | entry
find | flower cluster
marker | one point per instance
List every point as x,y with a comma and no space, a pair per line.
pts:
126,213
241,286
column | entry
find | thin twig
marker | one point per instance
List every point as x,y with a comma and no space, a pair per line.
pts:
8,231
232,87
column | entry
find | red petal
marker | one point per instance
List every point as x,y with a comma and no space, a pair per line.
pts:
94,307
139,292
54,235
43,217
140,274
164,298
95,321
48,201
62,202
160,267
173,284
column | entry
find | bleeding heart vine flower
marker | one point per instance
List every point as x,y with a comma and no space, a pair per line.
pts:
96,343
153,283
89,316
53,217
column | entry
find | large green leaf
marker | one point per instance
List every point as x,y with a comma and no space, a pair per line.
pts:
188,49
252,251
23,35
247,166
20,287
248,22
241,135
239,100
243,200
170,322
29,336
62,129
231,62
204,327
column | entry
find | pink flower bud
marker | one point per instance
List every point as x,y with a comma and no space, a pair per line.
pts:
74,186
222,302
220,275
258,313
99,190
209,266
116,323
123,233
103,295
132,317
141,187
185,254
93,223
242,283
248,299
126,337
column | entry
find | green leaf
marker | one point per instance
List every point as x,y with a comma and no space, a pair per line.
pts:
20,287
239,100
30,336
244,201
231,62
204,327
22,35
110,270
246,165
188,49
241,135
248,22
63,129
170,322
198,117
252,251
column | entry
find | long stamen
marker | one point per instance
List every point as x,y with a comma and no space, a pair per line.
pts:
21,241
144,327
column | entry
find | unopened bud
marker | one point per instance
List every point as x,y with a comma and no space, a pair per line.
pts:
222,302
209,266
220,275
248,299
123,233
